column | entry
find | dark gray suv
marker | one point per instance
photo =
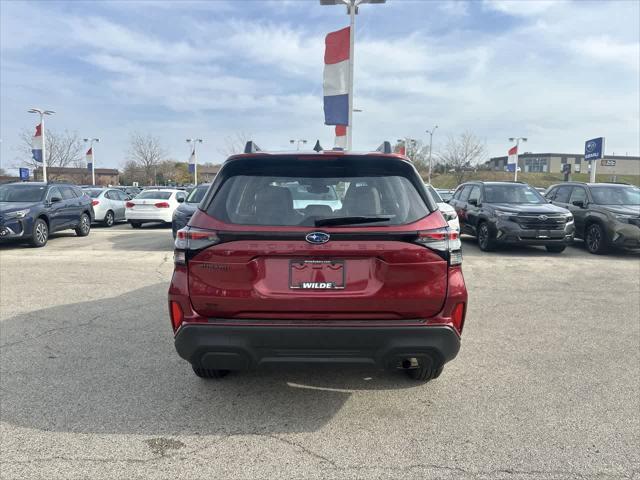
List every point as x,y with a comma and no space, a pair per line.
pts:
606,214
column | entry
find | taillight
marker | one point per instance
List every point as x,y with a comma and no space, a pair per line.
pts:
162,205
443,240
457,317
129,204
177,316
95,202
191,238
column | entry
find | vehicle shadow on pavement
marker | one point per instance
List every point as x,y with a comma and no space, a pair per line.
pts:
139,242
109,366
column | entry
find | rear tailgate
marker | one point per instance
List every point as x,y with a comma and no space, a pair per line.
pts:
291,279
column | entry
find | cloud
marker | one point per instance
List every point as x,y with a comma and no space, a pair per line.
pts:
605,49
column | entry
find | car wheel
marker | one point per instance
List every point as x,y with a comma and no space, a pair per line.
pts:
595,239
209,373
485,242
135,224
84,227
425,373
109,219
555,248
39,233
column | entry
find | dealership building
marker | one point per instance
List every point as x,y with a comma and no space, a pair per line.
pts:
552,163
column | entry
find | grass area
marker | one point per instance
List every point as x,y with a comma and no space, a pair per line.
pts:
533,179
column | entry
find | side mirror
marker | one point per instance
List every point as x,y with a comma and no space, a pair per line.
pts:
473,201
579,203
180,199
55,199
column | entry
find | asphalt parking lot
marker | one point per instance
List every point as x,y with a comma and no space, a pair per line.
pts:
546,385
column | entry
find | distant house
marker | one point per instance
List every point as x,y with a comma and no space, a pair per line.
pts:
79,176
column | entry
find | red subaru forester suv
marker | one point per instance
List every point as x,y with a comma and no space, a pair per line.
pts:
317,257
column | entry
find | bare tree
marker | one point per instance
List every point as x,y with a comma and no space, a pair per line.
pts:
146,152
417,152
234,144
63,150
462,154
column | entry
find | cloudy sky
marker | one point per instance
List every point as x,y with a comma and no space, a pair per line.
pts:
558,72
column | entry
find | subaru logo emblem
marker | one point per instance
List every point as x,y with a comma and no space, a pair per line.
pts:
543,218
591,146
317,238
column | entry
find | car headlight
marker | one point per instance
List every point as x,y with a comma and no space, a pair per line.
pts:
624,218
448,216
568,217
503,214
17,214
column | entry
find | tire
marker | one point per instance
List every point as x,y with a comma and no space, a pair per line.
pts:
109,219
39,233
595,239
485,242
209,373
555,248
84,227
135,224
425,373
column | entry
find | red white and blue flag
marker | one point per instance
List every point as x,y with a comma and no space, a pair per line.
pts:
89,157
512,159
336,78
192,162
341,137
36,144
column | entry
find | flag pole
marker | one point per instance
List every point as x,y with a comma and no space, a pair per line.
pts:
93,165
195,165
44,148
352,22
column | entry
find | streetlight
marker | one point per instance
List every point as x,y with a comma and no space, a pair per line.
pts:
430,132
42,113
93,158
193,157
352,11
298,143
517,140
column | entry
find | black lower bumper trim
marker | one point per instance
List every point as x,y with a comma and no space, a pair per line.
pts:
243,347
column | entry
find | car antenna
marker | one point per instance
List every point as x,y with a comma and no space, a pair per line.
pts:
251,147
317,147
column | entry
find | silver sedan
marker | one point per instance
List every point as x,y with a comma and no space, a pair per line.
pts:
108,204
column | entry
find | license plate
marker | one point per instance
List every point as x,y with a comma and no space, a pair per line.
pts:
316,274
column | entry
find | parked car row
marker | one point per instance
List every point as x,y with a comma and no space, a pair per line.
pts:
604,215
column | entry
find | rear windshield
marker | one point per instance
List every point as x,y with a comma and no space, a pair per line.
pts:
436,196
515,193
155,195
93,193
616,195
290,200
21,193
197,194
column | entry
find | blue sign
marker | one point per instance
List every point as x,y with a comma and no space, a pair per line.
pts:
594,149
24,174
192,168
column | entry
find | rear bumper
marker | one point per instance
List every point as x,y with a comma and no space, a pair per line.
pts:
164,215
626,236
233,347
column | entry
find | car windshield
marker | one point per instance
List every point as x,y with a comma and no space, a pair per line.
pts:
154,194
445,195
512,193
197,194
22,193
618,195
436,196
289,200
93,193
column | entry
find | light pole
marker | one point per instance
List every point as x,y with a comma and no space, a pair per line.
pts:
93,158
430,132
352,11
517,140
194,141
298,143
42,113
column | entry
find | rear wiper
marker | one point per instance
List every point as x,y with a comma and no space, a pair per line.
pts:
328,221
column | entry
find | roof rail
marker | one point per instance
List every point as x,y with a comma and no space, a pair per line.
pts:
385,147
251,147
